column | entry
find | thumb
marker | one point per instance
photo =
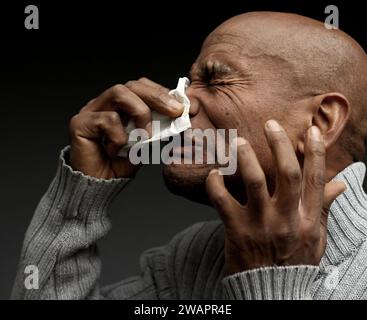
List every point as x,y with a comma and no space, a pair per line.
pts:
332,190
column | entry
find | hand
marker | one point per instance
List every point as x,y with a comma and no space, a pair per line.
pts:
287,228
97,132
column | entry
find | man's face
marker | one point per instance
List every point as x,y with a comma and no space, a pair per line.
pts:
236,84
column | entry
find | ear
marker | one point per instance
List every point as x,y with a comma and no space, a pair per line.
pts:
330,113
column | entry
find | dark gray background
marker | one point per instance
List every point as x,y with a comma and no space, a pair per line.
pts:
48,75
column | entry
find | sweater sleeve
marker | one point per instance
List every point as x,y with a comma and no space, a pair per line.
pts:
271,283
72,216
60,242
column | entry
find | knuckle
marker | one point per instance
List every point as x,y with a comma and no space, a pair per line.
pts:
85,108
119,140
320,152
285,234
317,149
100,119
142,113
280,138
317,178
74,122
315,235
113,117
311,237
118,90
130,84
142,79
160,96
75,126
219,199
292,176
256,183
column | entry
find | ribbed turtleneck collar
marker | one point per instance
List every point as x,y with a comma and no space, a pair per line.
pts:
347,222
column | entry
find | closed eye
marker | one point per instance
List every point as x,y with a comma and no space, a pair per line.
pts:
215,74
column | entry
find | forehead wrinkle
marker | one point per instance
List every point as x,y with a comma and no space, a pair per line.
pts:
249,52
222,38
296,63
244,46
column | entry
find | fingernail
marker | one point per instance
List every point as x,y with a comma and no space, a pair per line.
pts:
214,171
315,133
241,141
342,185
174,104
272,125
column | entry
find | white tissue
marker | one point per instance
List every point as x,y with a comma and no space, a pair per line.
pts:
168,126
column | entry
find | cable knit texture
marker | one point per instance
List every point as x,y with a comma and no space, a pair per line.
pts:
73,215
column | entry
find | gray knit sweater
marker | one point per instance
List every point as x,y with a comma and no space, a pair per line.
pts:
73,215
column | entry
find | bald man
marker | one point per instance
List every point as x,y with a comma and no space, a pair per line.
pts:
296,93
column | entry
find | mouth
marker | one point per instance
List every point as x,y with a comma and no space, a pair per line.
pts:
203,149
191,150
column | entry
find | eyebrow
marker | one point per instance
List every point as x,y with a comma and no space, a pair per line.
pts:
214,67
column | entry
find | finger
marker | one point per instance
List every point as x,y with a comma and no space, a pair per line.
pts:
157,98
220,197
105,126
332,190
153,84
120,98
313,173
91,101
252,175
288,172
87,106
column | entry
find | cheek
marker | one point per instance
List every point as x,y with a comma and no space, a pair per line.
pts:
255,117
248,114
294,123
254,133
220,109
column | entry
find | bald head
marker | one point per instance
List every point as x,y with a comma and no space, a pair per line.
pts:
316,60
264,65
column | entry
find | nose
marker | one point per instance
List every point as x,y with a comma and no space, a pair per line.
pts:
194,102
